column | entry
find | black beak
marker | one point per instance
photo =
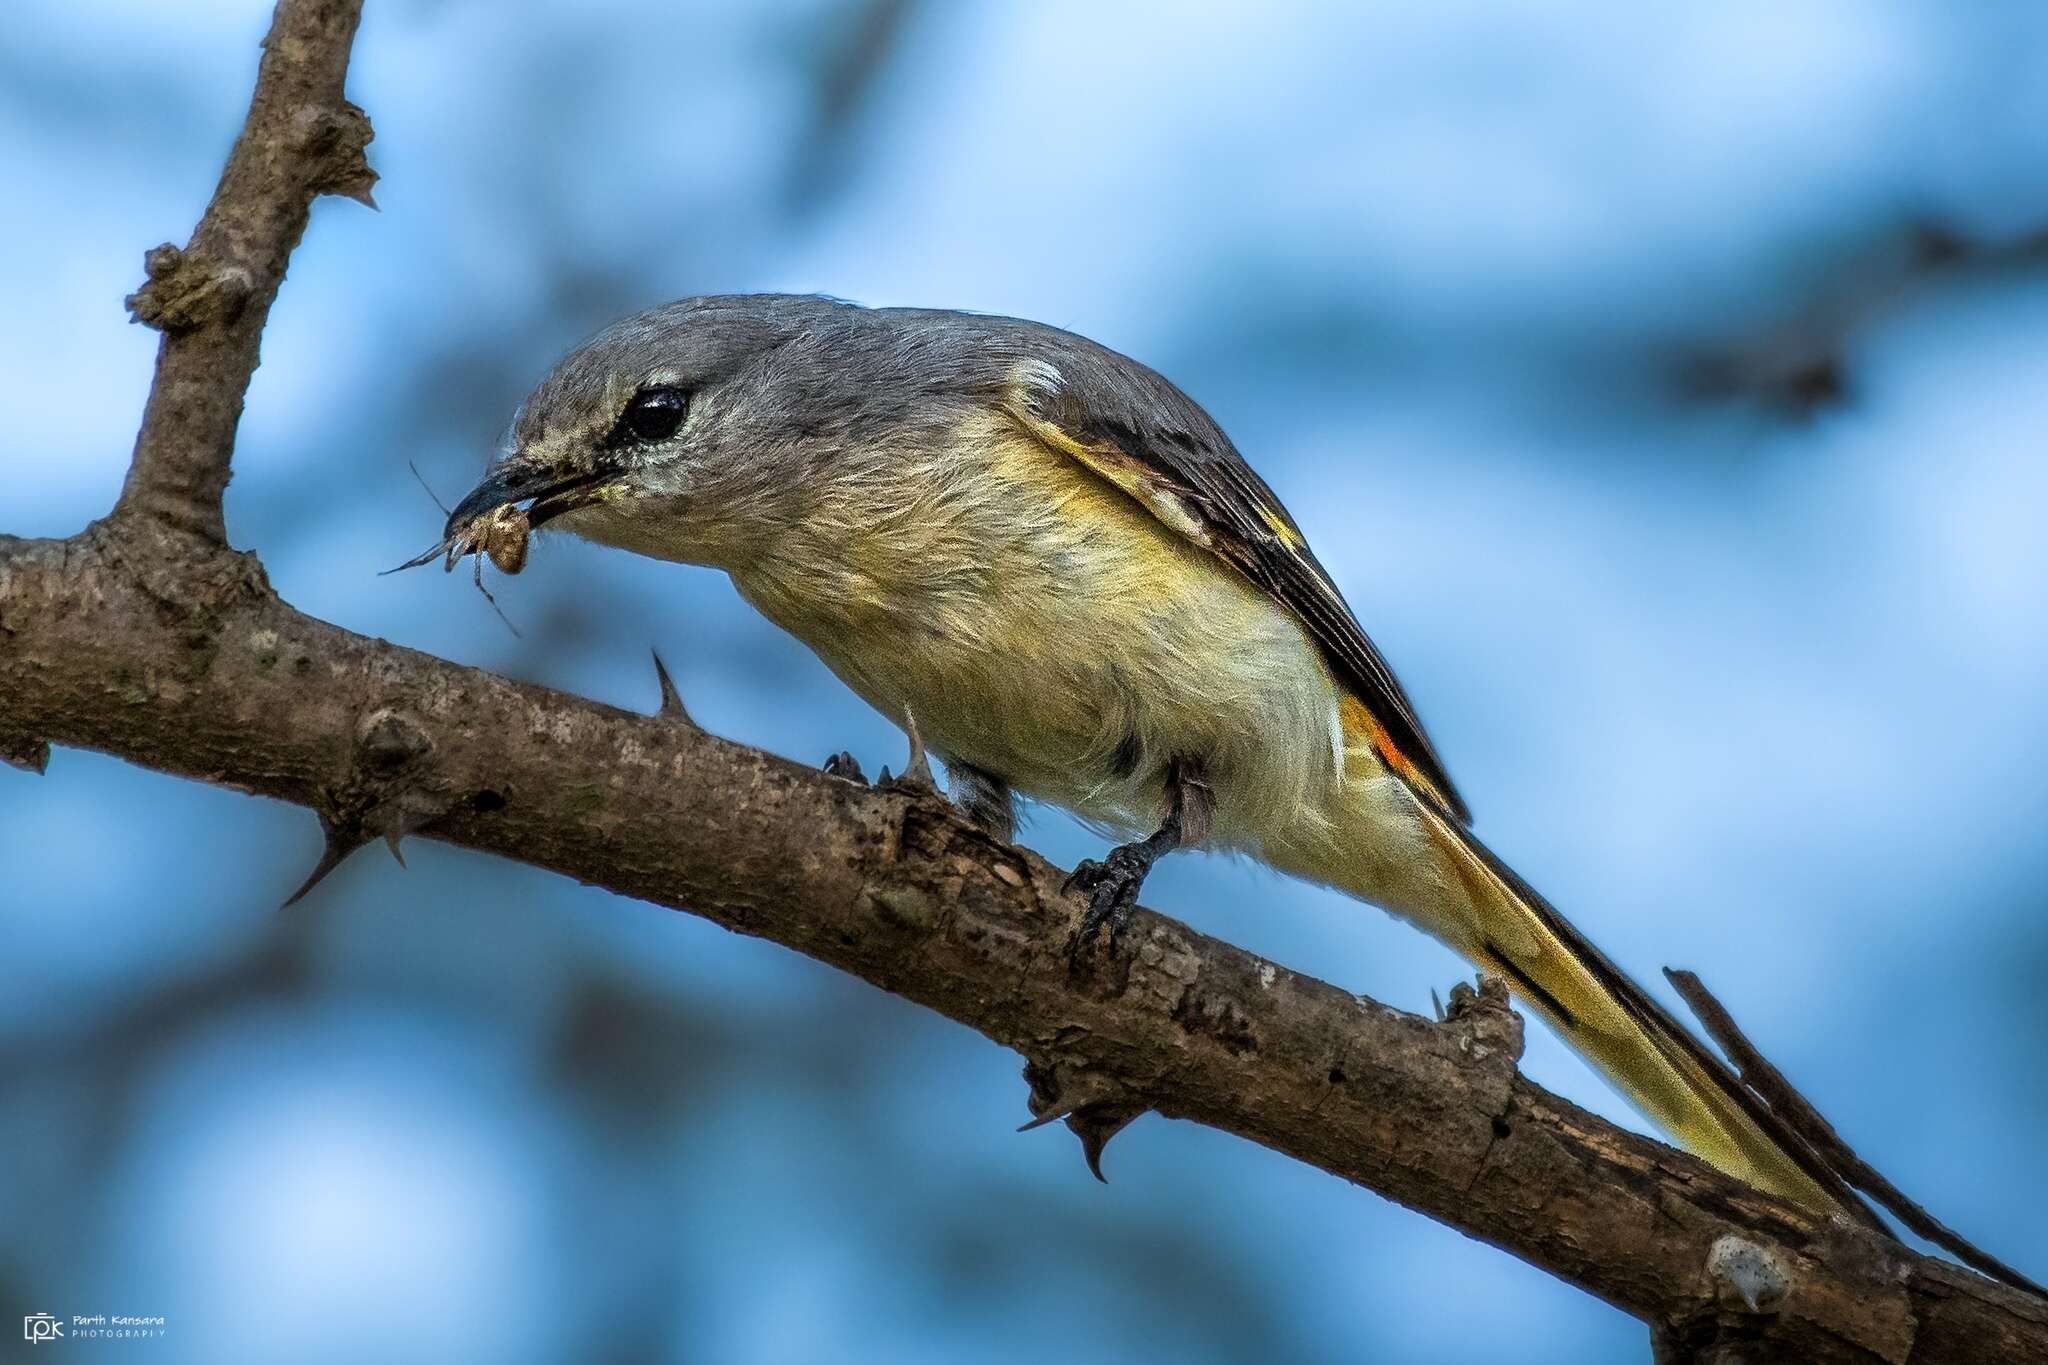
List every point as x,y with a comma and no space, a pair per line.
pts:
504,484
552,494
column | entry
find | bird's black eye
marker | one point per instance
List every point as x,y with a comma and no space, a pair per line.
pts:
653,415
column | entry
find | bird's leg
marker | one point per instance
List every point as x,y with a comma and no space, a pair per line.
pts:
1112,884
983,798
917,774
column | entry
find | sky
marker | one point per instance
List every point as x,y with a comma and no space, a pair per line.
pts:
1664,386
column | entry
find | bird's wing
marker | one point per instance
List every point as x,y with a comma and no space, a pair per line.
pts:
1134,428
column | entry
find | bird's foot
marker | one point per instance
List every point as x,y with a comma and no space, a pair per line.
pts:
845,766
1112,887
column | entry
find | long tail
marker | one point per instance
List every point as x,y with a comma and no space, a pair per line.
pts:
1474,902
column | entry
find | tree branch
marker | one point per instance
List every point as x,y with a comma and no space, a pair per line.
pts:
145,636
1800,362
211,299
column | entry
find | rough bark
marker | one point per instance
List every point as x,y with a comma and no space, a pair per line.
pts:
147,637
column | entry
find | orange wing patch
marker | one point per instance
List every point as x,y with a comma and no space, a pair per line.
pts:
1360,725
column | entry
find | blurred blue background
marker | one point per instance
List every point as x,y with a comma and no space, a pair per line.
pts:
1666,388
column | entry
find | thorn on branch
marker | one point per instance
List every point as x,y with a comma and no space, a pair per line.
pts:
1094,1106
339,840
29,755
671,707
389,794
1095,1126
409,813
184,292
390,819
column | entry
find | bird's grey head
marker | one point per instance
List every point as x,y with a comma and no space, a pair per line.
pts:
681,431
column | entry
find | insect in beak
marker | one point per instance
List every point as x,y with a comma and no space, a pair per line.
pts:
490,523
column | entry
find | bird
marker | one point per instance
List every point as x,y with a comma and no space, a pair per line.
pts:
1054,565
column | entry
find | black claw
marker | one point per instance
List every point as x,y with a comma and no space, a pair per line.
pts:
845,765
1112,884
1112,889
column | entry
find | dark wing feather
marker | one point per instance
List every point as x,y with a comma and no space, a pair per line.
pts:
1135,428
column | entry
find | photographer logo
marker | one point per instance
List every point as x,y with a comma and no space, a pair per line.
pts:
41,1327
